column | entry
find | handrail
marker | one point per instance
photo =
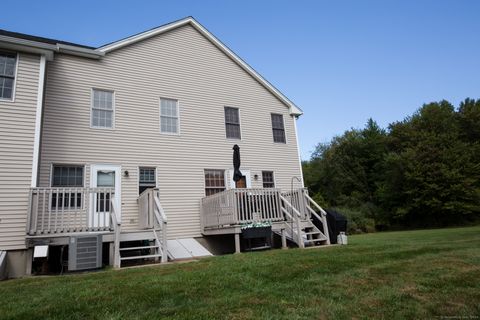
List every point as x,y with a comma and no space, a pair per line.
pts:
161,220
299,215
315,204
297,220
117,224
163,216
323,218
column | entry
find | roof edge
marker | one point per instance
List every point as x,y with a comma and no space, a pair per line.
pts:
294,110
46,48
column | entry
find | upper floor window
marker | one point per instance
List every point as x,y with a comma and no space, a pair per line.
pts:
214,181
232,123
267,179
8,62
169,116
102,109
278,128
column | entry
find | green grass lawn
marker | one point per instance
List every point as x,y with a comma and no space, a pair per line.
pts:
391,275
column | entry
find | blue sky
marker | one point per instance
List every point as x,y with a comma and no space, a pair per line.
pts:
342,62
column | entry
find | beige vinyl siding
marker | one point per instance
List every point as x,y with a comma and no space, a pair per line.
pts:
17,130
181,65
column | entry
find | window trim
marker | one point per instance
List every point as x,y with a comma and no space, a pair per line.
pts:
225,181
138,175
14,88
113,108
62,164
84,167
284,128
239,124
273,176
160,116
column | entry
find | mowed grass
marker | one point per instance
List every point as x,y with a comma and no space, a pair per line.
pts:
391,275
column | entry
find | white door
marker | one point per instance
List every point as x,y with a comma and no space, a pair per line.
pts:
104,176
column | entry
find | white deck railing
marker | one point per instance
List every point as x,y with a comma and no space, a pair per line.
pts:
66,210
238,206
152,216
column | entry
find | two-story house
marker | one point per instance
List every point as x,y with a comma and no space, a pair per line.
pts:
132,141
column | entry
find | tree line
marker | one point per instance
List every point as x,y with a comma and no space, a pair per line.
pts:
421,172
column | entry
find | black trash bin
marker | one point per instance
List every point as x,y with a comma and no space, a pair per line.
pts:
337,223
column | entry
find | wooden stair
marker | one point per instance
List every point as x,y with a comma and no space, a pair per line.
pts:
151,251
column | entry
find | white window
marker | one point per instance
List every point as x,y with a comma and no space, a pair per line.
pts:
8,63
278,128
102,109
67,178
147,179
214,181
267,179
232,123
169,116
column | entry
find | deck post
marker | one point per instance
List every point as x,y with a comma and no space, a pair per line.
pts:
111,254
29,260
237,242
284,239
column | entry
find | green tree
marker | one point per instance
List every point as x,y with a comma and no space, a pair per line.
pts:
422,171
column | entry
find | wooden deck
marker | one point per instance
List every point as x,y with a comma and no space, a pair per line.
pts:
56,214
289,213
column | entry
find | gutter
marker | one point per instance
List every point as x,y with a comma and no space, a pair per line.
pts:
47,49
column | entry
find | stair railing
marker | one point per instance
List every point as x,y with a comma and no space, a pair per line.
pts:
288,209
323,217
160,223
116,223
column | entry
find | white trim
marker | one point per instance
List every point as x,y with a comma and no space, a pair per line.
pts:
17,58
274,177
38,121
63,164
113,108
138,176
284,128
225,179
298,150
239,124
48,49
94,168
160,116
189,20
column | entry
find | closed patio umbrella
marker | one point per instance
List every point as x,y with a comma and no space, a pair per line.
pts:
237,174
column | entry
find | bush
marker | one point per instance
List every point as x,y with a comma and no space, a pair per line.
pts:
358,221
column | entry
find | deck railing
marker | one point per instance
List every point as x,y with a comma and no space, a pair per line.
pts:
65,210
152,216
297,199
238,206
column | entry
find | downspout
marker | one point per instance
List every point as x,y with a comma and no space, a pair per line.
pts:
298,150
38,121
